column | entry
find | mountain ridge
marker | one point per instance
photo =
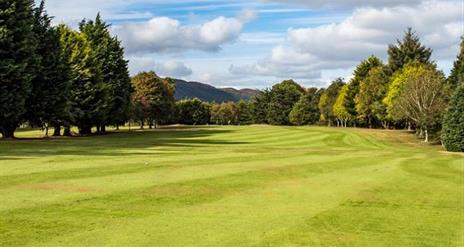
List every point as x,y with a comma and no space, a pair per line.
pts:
209,93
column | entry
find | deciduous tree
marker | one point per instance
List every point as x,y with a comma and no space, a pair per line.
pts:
283,97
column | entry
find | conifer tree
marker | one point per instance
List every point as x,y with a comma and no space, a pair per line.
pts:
457,73
407,50
17,49
453,124
47,105
87,92
115,74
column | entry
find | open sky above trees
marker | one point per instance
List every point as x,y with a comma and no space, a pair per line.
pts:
259,42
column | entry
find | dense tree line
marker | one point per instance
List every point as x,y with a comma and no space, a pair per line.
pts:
58,77
54,76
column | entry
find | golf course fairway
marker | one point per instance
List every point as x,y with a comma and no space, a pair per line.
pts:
231,186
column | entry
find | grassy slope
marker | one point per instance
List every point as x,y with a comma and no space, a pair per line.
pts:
231,186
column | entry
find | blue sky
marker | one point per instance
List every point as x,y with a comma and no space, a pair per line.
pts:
256,43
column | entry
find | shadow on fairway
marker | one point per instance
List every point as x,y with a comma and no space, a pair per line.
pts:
115,143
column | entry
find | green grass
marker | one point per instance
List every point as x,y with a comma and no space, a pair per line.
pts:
231,186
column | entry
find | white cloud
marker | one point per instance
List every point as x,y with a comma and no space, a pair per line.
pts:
345,3
168,68
367,31
163,34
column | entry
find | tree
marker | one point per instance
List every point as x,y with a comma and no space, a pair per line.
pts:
328,99
340,111
87,91
359,74
283,97
306,110
457,73
372,91
225,114
244,112
155,95
110,55
421,96
453,124
407,50
47,105
193,112
17,49
260,106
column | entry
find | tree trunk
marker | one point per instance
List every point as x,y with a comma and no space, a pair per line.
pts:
103,129
426,132
85,130
46,130
98,129
67,131
117,126
409,126
57,131
8,133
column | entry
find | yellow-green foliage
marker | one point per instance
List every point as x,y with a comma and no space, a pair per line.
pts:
339,109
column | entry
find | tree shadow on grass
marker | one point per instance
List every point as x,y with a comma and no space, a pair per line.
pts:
148,142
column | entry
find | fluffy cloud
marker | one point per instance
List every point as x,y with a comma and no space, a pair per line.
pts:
345,3
367,31
174,69
163,34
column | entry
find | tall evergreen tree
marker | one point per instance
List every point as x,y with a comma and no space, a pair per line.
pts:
115,74
17,49
453,124
47,105
283,97
407,50
87,92
457,73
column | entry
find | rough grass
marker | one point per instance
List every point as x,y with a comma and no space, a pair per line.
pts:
231,186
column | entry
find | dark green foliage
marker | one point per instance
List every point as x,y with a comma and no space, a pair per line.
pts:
245,115
360,73
17,46
457,73
283,97
453,124
260,106
306,110
47,105
193,112
115,74
407,50
328,99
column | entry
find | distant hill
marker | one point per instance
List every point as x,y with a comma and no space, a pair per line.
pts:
242,93
205,92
